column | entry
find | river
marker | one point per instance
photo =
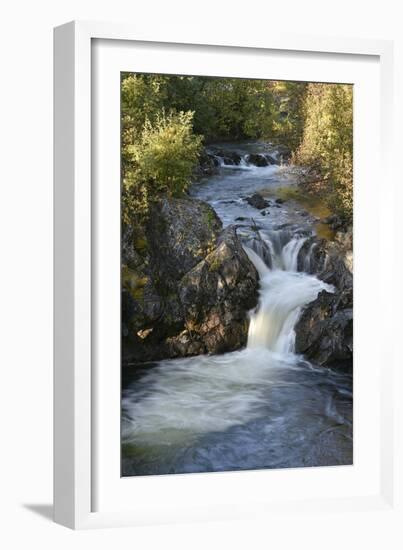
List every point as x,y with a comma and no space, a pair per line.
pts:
263,406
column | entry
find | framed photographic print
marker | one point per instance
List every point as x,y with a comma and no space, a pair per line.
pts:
210,201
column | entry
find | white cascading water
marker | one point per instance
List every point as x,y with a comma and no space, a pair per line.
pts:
283,293
260,406
208,393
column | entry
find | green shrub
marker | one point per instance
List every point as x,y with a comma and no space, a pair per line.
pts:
162,161
327,142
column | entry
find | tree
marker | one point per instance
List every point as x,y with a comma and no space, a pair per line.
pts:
327,141
159,150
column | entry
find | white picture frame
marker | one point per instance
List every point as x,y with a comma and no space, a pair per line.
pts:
77,389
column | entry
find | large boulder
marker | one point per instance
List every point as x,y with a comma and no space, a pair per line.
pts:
217,294
324,332
258,159
187,285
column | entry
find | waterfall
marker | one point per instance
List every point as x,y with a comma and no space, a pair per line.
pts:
283,294
289,253
241,161
256,407
308,256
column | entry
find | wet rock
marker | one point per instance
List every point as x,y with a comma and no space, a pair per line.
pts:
335,222
214,160
258,160
329,260
217,294
312,255
300,232
262,250
271,159
230,158
187,285
257,201
208,164
280,201
324,332
329,219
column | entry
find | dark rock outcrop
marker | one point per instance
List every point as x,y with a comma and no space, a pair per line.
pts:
336,223
258,160
331,261
208,165
217,294
324,332
187,285
230,158
271,159
257,201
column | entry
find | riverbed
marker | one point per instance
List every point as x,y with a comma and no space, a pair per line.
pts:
263,406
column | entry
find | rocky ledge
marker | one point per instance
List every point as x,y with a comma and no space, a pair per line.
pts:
187,284
211,158
324,332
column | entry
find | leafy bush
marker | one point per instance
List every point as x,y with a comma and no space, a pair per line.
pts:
161,160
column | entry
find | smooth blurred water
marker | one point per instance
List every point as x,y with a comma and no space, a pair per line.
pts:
261,407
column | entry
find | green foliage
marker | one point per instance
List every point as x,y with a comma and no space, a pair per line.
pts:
327,141
167,152
142,98
289,111
210,218
225,98
164,116
225,108
161,161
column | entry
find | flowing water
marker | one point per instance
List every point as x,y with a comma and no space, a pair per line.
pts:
263,406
